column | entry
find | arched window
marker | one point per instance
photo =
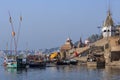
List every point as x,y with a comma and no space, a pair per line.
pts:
104,30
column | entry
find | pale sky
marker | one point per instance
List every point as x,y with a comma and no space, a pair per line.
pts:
48,23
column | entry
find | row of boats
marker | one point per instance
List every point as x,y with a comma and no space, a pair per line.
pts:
33,61
13,61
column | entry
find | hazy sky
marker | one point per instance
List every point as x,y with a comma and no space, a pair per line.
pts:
47,23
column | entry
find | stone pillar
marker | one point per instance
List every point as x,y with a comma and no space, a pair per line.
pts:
63,55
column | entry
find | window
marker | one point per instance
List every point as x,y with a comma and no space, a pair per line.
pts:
104,30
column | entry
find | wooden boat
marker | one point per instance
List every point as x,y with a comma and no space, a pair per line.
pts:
36,64
73,62
12,62
67,62
63,62
22,63
35,61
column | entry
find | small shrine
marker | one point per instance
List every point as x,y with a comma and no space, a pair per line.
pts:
67,46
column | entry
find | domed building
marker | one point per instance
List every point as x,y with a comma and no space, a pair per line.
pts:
64,50
67,46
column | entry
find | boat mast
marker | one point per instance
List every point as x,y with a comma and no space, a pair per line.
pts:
20,22
13,33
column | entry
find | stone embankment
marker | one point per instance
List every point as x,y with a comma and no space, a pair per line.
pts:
100,42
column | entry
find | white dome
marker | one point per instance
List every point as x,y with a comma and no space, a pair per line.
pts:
87,41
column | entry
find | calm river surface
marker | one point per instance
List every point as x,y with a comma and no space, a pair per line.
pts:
61,73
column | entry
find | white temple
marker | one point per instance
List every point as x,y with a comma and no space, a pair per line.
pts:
108,28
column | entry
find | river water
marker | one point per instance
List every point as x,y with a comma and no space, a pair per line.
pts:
70,72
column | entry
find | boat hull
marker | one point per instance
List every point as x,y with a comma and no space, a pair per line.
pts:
67,62
12,65
37,64
62,63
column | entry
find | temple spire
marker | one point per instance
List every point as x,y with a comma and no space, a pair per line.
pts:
109,21
80,44
108,28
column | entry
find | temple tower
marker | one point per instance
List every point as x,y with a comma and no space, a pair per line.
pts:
108,28
64,50
68,45
80,44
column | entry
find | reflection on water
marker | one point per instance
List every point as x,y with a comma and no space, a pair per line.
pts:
70,72
112,73
15,70
21,70
12,70
69,68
